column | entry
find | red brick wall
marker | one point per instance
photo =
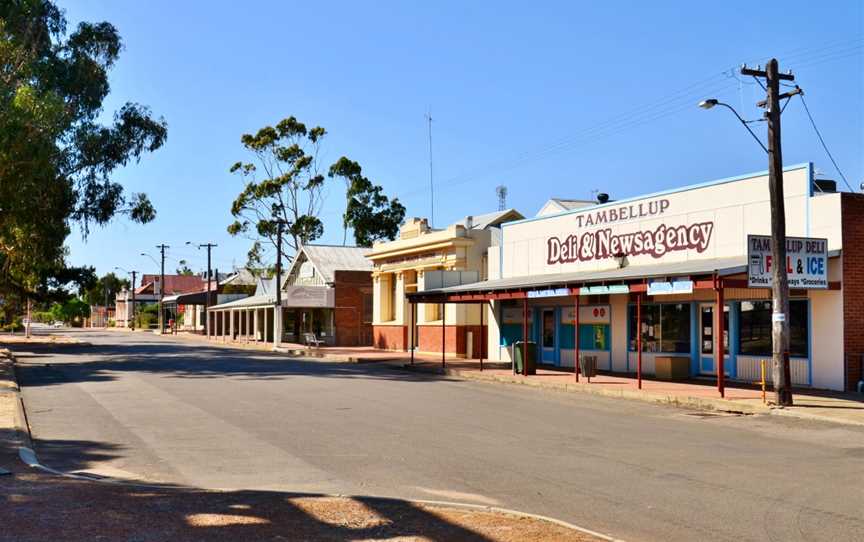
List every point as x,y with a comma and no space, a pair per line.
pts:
391,337
348,315
455,337
852,209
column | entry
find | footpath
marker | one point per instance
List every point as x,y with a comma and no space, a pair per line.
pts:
38,504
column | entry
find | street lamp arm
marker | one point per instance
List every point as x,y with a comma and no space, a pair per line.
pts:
743,123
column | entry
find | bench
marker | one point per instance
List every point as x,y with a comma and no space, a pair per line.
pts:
311,339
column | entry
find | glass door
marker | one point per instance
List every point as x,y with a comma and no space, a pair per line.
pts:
548,335
706,339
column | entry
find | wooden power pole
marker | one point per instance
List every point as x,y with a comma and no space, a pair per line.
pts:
162,248
779,275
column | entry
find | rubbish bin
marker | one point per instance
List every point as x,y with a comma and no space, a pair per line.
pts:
531,362
588,365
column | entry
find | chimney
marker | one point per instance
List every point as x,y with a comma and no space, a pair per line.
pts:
602,198
469,222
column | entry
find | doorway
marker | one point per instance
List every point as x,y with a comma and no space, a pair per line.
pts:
706,339
548,336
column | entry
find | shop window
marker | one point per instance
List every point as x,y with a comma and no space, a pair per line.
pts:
593,337
367,307
548,329
754,338
665,328
431,312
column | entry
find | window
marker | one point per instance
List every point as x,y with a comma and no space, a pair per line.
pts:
675,328
665,328
755,334
548,329
594,336
431,312
367,307
707,329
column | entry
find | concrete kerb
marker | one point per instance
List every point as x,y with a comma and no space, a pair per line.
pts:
27,455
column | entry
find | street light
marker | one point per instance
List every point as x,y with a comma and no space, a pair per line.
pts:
711,102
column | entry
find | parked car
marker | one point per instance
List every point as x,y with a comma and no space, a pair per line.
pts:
57,324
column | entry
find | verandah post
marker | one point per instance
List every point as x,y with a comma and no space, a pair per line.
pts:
639,340
719,347
524,336
576,338
482,341
411,307
443,333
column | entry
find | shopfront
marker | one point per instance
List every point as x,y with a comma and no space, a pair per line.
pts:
665,276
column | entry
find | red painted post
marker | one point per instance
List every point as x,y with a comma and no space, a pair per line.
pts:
576,345
411,331
719,347
525,337
639,340
443,333
482,342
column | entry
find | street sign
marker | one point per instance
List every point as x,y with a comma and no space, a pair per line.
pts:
806,262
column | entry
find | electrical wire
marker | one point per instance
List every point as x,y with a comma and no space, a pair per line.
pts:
824,146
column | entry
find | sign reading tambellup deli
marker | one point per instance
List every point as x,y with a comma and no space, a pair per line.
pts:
806,262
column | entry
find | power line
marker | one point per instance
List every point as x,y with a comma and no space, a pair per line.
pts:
824,146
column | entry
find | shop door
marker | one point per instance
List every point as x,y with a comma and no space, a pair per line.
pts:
706,339
548,336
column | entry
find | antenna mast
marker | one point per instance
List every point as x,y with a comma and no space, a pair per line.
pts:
501,192
431,183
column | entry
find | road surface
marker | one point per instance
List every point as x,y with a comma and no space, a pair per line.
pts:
172,410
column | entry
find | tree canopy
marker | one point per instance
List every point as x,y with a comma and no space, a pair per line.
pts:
370,214
284,184
110,284
56,157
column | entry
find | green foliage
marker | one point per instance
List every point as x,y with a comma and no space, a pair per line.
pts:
147,316
73,311
368,212
57,159
184,269
282,185
95,294
14,326
43,317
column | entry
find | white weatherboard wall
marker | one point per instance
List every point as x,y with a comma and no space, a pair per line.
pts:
733,207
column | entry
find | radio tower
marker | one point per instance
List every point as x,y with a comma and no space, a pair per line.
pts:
501,192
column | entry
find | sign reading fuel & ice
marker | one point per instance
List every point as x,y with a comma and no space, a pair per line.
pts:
806,262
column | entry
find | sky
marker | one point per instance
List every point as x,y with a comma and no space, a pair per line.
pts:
550,99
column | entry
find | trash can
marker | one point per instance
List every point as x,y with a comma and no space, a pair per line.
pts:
531,362
588,365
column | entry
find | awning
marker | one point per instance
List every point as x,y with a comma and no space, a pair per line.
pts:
292,296
190,298
720,267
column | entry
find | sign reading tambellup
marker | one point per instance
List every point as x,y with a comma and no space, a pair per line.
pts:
806,262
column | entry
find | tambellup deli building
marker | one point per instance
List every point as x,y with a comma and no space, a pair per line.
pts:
584,282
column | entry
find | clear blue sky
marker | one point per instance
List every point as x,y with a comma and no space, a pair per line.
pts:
549,99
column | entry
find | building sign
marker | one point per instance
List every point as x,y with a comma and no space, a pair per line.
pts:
554,292
670,288
605,290
588,314
603,244
621,213
308,296
513,315
806,262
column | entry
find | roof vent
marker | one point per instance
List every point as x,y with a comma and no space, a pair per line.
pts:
469,222
602,197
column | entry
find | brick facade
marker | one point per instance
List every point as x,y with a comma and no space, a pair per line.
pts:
353,327
391,337
852,209
455,339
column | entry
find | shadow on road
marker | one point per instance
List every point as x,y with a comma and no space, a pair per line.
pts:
46,365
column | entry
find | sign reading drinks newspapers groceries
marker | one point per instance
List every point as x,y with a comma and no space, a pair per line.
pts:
806,262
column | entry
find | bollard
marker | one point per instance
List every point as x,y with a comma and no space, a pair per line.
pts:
762,367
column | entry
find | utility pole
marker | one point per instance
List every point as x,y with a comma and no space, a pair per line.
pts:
162,248
277,309
431,183
779,276
209,247
132,321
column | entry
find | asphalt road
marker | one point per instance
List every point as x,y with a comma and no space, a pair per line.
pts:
167,410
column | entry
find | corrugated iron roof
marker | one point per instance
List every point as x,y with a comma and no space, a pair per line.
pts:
327,259
722,266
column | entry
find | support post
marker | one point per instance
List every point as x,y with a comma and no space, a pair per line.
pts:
719,347
525,337
639,340
266,327
411,308
482,342
443,333
576,338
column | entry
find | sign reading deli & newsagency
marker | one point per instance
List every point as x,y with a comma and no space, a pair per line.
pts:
806,262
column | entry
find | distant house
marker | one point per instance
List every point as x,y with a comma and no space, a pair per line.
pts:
149,292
